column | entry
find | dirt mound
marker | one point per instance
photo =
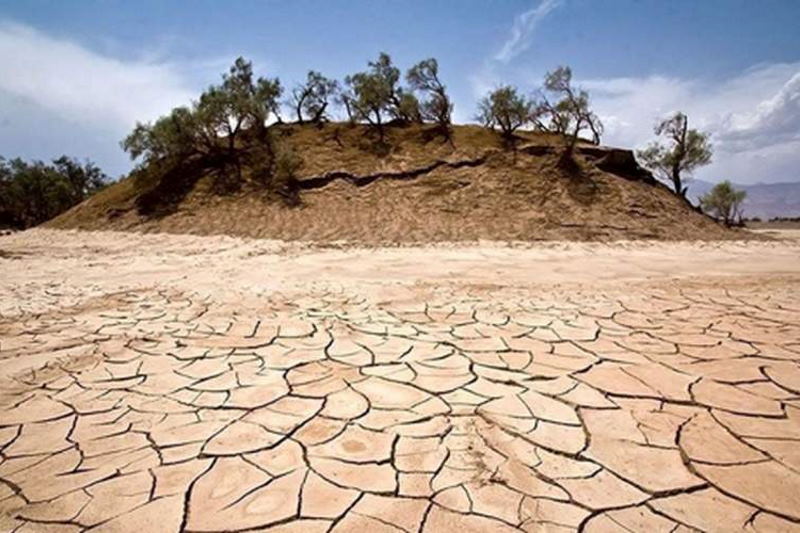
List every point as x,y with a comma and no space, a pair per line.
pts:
419,188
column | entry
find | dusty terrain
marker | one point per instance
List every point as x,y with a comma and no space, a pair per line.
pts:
421,190
179,383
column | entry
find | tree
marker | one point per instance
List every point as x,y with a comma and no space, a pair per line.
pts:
405,107
287,165
173,136
724,202
371,92
374,94
312,97
226,124
240,103
506,109
224,130
424,78
570,114
214,124
346,98
84,180
687,149
401,104
32,193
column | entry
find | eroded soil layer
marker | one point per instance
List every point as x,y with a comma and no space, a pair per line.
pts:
324,405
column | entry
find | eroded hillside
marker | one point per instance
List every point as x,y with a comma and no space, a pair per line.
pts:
415,188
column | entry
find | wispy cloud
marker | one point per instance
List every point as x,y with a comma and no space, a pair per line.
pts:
523,29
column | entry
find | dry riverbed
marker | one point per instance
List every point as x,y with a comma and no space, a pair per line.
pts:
179,383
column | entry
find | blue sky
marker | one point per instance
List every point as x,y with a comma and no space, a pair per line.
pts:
77,75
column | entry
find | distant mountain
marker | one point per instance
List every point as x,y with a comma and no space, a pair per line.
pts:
764,200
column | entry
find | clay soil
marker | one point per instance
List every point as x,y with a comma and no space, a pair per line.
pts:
193,383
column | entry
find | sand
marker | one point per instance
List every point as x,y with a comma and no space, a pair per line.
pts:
422,191
160,382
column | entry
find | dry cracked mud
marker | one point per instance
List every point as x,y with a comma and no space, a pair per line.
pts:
162,383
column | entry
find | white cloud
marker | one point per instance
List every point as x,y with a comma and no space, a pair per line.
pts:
523,29
81,85
775,120
59,97
754,118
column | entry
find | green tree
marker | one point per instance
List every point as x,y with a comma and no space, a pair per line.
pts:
7,201
569,113
405,107
224,130
436,107
84,179
215,124
252,101
506,109
346,98
311,99
724,202
239,104
374,95
32,193
685,150
177,135
371,93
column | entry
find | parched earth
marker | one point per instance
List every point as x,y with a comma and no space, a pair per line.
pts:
156,383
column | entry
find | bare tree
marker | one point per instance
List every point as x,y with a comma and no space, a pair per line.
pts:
687,149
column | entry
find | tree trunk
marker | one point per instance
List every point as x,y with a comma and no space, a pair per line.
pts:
380,126
679,157
319,114
677,183
346,102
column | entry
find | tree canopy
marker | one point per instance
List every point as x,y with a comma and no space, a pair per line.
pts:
724,202
374,95
436,107
506,109
212,126
312,98
33,192
684,151
566,109
560,108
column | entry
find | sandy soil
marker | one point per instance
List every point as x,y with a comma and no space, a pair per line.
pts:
422,190
180,383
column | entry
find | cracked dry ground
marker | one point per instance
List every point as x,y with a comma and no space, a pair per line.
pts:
671,408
